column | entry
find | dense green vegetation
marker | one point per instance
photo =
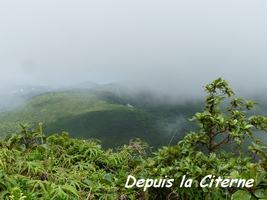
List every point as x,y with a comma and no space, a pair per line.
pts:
104,114
35,165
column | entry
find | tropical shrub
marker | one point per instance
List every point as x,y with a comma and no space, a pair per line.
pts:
218,147
35,166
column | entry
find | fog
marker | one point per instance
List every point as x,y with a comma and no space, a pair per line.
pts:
168,46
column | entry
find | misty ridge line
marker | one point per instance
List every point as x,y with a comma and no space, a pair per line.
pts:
16,94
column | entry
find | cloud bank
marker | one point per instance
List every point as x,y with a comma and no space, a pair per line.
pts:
169,46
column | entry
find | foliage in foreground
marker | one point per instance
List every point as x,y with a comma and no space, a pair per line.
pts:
38,166
33,166
224,145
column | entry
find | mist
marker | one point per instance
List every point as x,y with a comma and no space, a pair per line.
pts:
170,47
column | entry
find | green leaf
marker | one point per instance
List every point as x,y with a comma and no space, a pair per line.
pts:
241,195
70,189
261,193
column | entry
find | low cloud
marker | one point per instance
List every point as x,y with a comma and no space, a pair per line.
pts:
166,46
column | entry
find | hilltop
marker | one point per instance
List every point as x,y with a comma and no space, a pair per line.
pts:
109,113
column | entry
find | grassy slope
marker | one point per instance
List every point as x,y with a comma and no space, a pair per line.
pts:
103,113
84,115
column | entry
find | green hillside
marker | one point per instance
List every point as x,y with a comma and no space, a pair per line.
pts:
81,113
100,113
110,113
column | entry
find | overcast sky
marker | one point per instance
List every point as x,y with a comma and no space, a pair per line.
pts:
179,44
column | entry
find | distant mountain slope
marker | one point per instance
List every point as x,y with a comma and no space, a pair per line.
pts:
112,113
13,96
107,113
